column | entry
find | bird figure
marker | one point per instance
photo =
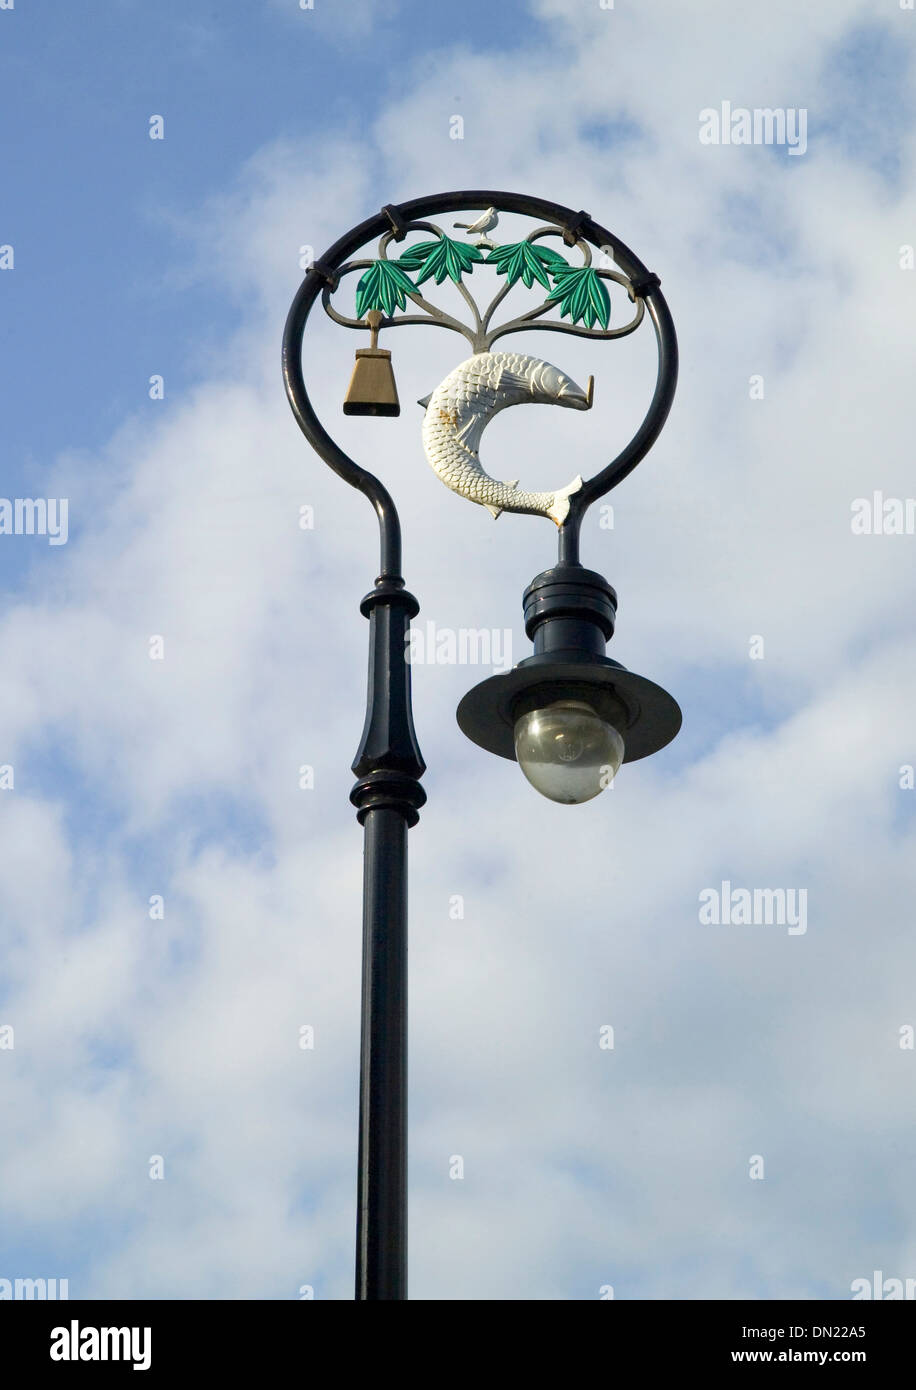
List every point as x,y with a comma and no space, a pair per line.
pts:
485,223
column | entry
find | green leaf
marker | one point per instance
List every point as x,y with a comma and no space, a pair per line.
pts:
582,295
440,258
414,256
384,286
523,260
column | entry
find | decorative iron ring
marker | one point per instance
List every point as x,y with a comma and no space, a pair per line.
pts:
576,226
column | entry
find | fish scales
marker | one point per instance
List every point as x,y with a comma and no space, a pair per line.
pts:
460,408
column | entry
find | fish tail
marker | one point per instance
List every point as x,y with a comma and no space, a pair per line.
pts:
558,511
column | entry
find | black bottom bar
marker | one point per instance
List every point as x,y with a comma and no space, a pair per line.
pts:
229,1341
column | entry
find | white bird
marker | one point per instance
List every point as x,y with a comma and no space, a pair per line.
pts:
485,223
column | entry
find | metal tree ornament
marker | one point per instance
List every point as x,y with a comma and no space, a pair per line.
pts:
568,713
458,411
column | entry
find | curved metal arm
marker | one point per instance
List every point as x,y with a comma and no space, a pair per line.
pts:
321,441
643,439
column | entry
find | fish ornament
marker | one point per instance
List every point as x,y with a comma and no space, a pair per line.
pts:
461,407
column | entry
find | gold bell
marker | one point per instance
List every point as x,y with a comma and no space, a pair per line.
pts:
372,390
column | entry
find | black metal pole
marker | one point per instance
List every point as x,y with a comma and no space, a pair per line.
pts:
388,796
381,1213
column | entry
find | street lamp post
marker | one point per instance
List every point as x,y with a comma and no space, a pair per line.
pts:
568,713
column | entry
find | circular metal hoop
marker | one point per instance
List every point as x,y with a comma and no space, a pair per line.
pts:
395,219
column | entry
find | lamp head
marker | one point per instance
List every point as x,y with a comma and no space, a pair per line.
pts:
569,724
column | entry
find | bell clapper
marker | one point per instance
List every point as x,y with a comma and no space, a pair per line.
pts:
374,320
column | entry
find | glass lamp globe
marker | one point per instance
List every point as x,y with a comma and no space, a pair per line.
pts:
567,752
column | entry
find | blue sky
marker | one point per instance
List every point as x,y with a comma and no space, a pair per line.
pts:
136,1036
87,208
